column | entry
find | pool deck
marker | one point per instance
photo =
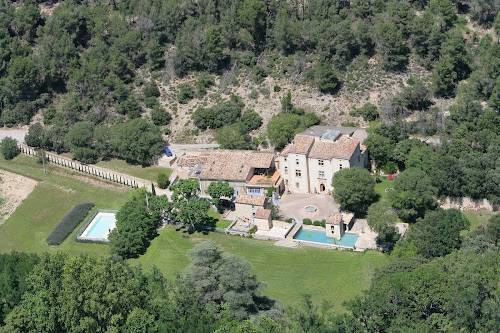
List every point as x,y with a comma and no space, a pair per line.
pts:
366,237
83,236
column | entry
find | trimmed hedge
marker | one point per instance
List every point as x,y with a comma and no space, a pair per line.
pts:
68,223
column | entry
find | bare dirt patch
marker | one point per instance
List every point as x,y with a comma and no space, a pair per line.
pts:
13,190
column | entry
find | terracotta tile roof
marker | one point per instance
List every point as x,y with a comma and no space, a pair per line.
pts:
338,217
343,148
335,218
301,144
191,160
228,165
263,213
251,200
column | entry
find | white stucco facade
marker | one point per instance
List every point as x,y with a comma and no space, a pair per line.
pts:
309,163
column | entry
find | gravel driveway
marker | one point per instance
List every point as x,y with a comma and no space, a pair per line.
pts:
16,133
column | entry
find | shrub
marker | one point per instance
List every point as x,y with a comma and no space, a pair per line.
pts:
163,181
203,82
10,148
307,221
160,116
368,111
250,121
150,102
186,93
151,90
289,220
276,88
35,136
68,223
320,223
389,167
222,114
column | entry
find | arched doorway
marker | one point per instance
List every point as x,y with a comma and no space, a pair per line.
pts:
322,188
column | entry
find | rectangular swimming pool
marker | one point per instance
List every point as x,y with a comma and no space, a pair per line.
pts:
319,236
100,227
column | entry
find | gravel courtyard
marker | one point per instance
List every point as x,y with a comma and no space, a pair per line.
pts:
294,206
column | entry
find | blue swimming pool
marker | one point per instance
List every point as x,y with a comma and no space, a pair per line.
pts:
319,236
100,227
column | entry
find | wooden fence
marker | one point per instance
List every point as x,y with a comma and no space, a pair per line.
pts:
91,170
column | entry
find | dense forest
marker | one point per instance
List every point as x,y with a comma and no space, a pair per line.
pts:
90,71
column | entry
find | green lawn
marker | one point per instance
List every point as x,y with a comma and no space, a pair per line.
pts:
329,275
381,187
56,193
149,173
221,223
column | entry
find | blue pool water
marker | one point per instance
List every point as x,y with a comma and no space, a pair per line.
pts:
100,227
319,236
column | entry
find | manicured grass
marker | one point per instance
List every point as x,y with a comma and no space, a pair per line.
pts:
221,223
149,173
381,188
56,193
329,275
335,276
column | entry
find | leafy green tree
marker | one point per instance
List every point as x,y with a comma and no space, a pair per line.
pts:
9,148
380,214
286,102
155,54
382,219
250,120
137,141
36,136
448,289
79,294
391,45
327,79
415,95
203,82
426,38
368,111
130,107
15,268
413,194
218,190
160,117
282,128
151,90
162,180
185,189
444,78
186,93
135,227
445,11
193,214
26,20
224,113
380,148
233,137
224,280
438,232
354,189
